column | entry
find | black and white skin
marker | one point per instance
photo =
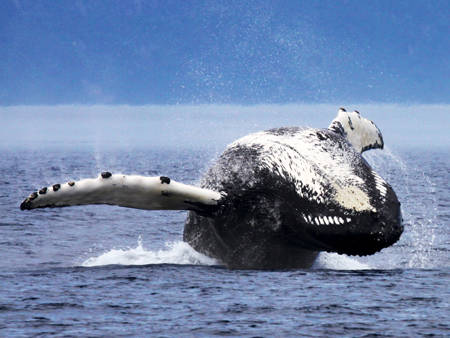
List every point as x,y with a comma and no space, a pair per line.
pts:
273,199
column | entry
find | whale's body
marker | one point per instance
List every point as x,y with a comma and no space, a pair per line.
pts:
292,192
273,199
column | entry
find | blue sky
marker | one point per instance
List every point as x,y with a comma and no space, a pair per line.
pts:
232,52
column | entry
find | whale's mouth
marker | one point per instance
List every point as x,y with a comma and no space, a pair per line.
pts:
366,235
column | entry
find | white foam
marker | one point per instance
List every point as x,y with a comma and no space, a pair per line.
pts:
334,261
175,253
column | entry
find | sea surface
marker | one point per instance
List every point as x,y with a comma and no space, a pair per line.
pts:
110,271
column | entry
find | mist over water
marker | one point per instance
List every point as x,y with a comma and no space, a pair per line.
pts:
102,127
422,215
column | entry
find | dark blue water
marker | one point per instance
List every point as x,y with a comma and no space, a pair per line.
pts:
110,271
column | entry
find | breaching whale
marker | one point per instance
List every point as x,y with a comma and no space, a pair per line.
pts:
273,199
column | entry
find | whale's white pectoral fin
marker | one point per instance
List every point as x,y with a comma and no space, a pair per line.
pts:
362,133
132,191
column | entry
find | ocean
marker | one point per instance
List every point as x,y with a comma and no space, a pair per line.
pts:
110,271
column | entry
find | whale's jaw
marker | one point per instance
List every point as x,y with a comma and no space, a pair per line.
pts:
367,234
351,232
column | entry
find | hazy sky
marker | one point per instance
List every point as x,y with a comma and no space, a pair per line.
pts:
240,52
204,126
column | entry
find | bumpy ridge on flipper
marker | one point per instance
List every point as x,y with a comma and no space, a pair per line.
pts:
132,191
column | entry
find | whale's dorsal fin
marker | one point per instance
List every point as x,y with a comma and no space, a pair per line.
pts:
132,191
362,133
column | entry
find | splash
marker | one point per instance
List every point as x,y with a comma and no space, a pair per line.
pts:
416,191
334,261
175,253
183,254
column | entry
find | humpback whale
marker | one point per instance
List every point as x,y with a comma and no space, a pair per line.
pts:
273,199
